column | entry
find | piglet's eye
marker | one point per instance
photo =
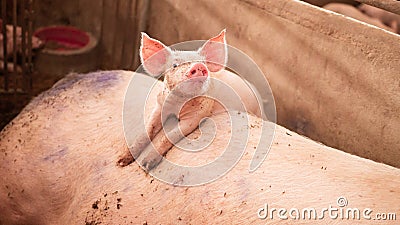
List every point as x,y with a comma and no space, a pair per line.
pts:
175,65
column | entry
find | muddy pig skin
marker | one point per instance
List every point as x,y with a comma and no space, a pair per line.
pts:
58,166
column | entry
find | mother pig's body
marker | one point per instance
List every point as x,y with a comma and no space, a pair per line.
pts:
58,166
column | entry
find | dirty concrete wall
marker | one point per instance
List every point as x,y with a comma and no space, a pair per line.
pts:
334,79
115,24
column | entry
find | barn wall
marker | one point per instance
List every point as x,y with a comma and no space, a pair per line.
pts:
334,79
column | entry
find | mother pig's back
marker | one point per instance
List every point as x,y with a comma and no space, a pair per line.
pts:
67,136
58,166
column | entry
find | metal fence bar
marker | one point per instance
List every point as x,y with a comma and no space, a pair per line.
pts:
25,76
4,32
17,30
30,34
15,47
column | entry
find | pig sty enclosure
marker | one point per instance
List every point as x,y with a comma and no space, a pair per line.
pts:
335,80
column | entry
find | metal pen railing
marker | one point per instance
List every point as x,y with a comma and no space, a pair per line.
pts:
16,31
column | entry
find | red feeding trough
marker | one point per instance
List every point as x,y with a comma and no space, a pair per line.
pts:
66,49
63,38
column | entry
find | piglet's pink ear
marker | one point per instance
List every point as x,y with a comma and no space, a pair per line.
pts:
154,55
215,52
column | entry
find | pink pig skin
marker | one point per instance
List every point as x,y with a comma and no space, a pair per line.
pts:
57,166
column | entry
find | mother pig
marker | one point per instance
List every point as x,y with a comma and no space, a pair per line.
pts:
58,166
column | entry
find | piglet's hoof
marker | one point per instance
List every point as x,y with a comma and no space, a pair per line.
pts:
125,160
151,160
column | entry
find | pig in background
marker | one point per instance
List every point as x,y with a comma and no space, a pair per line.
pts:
36,44
369,14
58,166
390,19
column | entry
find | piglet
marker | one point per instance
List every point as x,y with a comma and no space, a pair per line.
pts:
36,42
187,77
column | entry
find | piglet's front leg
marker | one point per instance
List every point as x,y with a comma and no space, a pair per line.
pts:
189,119
153,126
161,144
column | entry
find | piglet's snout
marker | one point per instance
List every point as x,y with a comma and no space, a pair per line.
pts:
198,70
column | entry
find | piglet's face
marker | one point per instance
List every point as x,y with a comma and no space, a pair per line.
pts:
188,79
188,71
